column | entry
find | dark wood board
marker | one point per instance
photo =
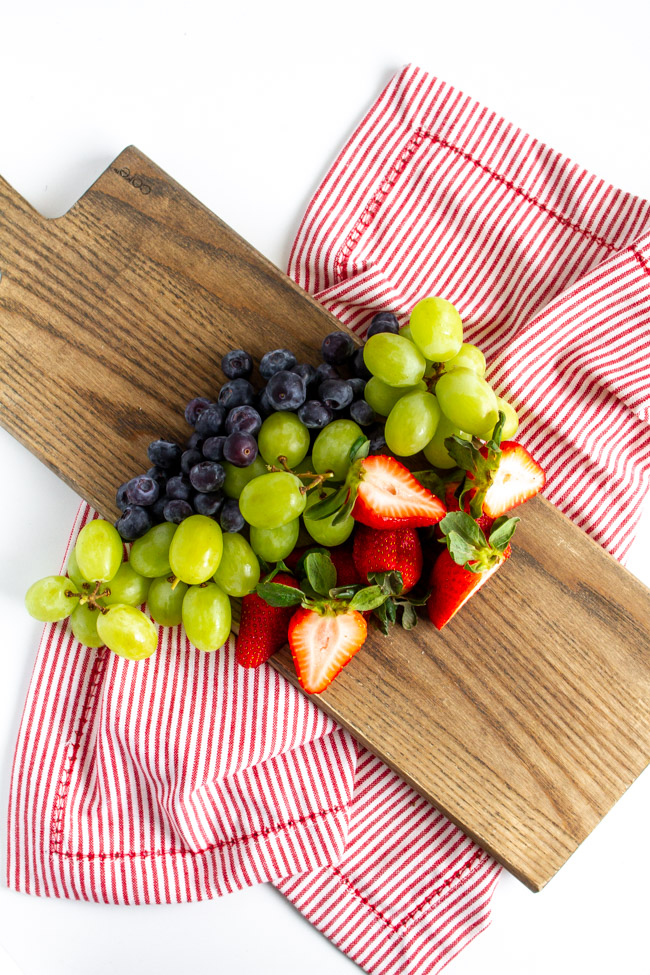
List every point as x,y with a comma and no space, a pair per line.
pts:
529,716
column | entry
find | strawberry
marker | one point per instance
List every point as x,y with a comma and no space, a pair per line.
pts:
467,563
386,495
263,629
390,550
347,573
322,642
452,585
517,478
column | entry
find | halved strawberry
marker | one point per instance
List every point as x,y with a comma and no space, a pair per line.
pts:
469,560
389,550
388,496
322,643
452,585
517,478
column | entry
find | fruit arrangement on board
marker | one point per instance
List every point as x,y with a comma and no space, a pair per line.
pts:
293,498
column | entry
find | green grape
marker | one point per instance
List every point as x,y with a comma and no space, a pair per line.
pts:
469,357
99,550
206,616
196,550
127,632
165,602
283,434
239,570
393,359
331,450
323,531
272,500
127,586
46,599
468,401
150,554
405,332
435,451
74,573
238,477
83,623
412,423
511,424
273,544
436,329
382,397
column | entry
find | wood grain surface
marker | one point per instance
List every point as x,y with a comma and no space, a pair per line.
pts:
529,716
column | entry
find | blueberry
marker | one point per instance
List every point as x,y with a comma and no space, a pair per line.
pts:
237,364
315,414
357,386
194,442
164,453
337,347
359,367
286,391
377,439
213,448
142,490
231,519
240,449
280,360
307,373
325,371
384,321
335,393
243,419
211,421
362,413
157,509
159,475
121,499
190,458
194,409
179,488
236,392
208,504
207,476
134,522
177,511
264,408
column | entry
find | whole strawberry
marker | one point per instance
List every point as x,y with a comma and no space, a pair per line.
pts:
388,550
263,629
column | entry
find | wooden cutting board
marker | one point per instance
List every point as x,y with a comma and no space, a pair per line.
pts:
529,716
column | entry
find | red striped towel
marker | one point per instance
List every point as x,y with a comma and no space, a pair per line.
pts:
184,777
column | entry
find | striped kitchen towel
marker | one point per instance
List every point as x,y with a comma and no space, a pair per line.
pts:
184,777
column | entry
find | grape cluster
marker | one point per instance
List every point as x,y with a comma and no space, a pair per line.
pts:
241,432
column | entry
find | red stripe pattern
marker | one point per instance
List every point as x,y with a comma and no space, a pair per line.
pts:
184,777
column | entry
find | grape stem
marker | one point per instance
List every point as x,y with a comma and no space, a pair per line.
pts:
174,581
90,598
316,479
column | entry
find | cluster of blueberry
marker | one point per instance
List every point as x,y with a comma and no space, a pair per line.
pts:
188,481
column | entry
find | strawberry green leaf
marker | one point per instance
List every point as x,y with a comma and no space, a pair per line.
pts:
459,549
409,617
327,506
391,583
279,567
276,594
321,573
345,511
367,599
379,615
494,443
417,600
502,531
299,571
360,448
391,610
465,526
344,592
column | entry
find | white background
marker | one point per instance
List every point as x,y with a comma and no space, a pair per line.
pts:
246,106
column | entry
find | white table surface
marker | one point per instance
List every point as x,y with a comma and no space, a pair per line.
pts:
246,106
